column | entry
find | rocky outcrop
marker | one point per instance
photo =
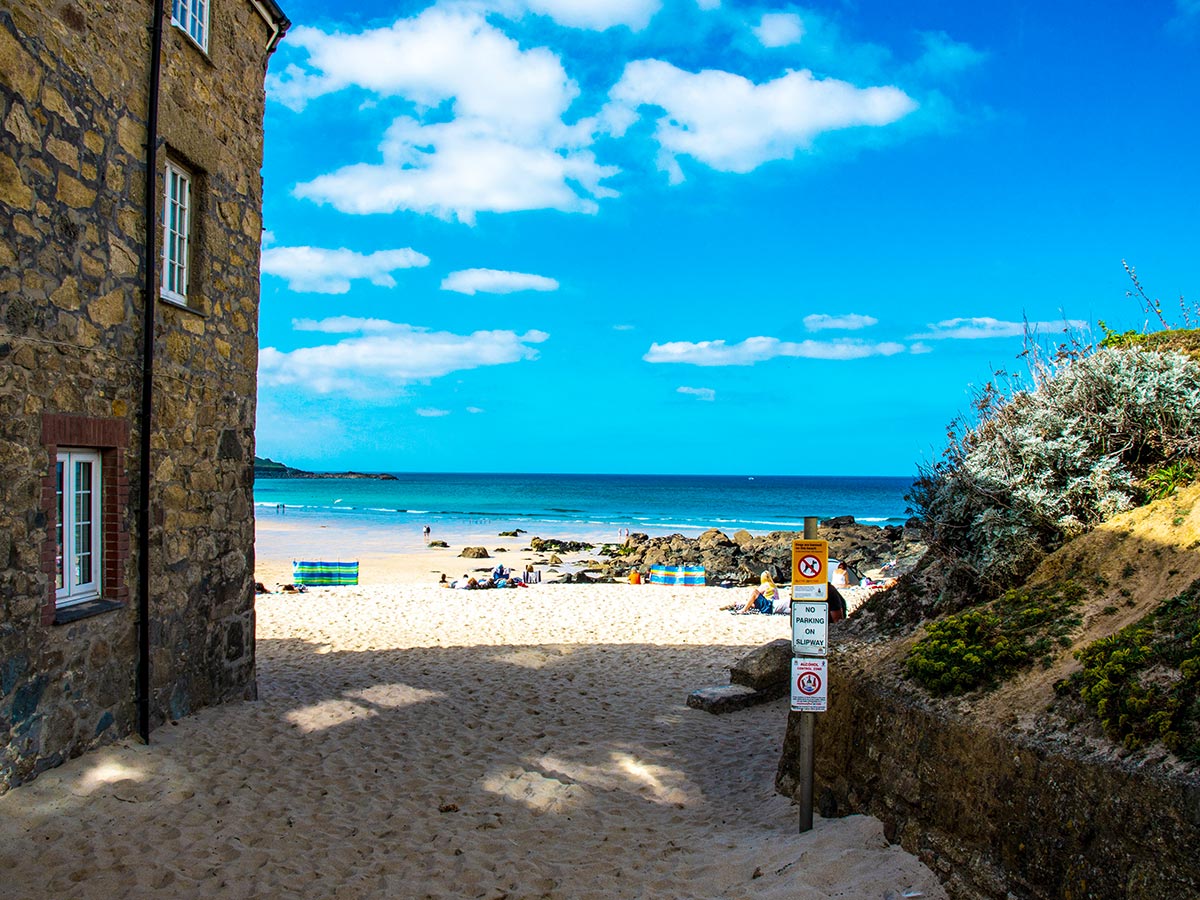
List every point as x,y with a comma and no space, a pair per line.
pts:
268,468
474,553
740,560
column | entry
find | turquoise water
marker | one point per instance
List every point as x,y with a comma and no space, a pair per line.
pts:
594,506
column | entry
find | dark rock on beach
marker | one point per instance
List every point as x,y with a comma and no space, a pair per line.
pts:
474,553
553,545
765,668
740,560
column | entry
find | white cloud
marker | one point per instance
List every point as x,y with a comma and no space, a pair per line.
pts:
346,325
431,413
623,328
474,410
734,125
699,393
506,147
319,271
759,349
851,322
496,281
594,15
779,29
945,56
387,355
982,327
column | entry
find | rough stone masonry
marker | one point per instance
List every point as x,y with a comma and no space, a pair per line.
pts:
74,244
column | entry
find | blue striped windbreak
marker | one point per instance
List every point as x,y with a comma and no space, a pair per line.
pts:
686,575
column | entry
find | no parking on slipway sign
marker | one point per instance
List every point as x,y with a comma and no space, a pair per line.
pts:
810,685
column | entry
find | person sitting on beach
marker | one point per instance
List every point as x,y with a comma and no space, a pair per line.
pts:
840,577
466,583
500,573
763,598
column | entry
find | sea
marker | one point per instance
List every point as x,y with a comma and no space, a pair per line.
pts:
584,507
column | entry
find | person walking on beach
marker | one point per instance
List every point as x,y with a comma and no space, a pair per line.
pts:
425,533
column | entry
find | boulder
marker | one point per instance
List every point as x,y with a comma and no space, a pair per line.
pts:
712,539
474,553
728,698
769,666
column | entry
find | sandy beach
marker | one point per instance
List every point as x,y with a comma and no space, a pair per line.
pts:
413,741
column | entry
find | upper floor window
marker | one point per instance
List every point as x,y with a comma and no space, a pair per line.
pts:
192,17
176,220
78,528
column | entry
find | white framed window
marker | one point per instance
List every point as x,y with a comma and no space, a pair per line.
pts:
177,204
192,17
79,527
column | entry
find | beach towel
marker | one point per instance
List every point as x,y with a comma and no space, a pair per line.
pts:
684,575
325,573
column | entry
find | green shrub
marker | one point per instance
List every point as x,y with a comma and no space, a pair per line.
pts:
1040,466
1165,481
981,647
1143,683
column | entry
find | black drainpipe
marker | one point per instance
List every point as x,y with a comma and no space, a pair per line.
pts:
142,699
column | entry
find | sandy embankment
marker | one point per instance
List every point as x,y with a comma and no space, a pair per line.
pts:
411,741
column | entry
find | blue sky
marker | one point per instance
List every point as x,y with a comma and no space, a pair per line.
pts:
702,236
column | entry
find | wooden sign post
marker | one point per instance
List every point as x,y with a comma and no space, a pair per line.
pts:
810,673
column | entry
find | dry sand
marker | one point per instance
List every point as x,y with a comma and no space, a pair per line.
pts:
412,741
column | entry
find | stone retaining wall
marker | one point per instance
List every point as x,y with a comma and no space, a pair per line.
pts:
998,817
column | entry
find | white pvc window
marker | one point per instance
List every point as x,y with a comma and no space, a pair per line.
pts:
176,221
79,527
192,17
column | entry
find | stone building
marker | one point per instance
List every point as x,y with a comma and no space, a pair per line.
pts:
126,550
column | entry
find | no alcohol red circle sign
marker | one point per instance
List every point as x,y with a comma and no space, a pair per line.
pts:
809,684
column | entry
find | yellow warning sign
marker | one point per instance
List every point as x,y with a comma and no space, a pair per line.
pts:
810,563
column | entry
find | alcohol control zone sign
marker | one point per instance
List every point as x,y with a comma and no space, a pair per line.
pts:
810,685
810,570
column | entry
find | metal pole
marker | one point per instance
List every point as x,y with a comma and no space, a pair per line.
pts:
808,724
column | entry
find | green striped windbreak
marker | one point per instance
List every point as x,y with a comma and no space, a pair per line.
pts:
325,573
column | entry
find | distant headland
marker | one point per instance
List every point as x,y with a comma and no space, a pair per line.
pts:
268,468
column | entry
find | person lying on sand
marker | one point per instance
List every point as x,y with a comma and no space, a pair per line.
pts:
765,599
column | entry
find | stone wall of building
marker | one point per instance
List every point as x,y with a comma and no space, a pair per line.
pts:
73,101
